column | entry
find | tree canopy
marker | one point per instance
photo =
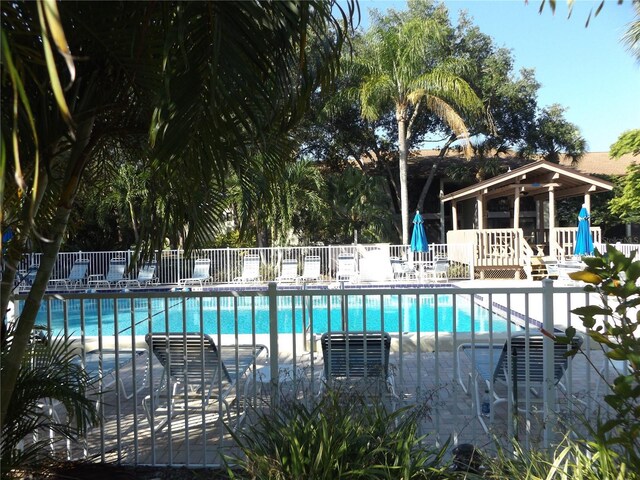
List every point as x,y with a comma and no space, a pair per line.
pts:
200,89
626,204
406,64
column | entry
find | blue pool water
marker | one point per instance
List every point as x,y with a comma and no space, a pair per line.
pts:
241,315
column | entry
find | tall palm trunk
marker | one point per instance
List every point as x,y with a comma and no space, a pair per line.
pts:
24,327
402,152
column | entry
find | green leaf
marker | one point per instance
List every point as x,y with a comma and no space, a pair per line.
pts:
586,277
591,311
600,338
54,78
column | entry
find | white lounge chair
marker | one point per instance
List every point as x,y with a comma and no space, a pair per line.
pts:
201,273
347,270
107,367
146,276
499,367
402,270
359,359
25,278
194,368
311,268
565,269
439,271
551,265
115,274
76,278
288,271
250,269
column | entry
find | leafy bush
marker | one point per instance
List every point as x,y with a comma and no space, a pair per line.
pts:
570,460
337,437
48,374
614,326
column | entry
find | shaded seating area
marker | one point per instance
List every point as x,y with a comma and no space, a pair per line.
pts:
115,274
359,360
195,372
76,278
201,273
502,369
250,269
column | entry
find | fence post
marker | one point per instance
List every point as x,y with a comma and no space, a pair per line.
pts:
273,342
549,387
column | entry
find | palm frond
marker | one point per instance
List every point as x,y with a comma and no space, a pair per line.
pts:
49,375
449,115
452,88
374,95
631,37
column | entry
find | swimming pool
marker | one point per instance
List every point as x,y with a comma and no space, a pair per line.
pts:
242,315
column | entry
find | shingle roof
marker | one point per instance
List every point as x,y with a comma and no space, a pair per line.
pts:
592,163
600,163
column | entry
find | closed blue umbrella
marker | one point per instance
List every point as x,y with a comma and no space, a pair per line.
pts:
584,242
419,237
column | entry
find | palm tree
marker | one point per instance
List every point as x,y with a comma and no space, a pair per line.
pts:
357,206
632,36
195,85
404,68
300,191
47,375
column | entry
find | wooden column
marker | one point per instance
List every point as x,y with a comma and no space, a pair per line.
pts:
443,238
587,202
552,209
539,228
454,214
480,212
516,208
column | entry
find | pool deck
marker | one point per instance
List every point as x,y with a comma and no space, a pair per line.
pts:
428,379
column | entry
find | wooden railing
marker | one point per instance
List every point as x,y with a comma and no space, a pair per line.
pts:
493,247
563,240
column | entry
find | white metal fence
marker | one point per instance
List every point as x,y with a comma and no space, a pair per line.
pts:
427,326
226,263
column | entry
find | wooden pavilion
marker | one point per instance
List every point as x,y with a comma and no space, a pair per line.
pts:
506,236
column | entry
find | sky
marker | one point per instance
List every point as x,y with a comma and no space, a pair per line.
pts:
587,70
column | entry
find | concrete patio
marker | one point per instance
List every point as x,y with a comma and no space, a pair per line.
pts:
199,439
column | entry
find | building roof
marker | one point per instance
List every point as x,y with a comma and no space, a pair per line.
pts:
534,179
593,163
600,163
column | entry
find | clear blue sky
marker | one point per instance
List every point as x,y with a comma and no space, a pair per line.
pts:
587,70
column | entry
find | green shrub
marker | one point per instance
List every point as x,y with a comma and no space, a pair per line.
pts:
614,325
570,460
47,374
337,437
